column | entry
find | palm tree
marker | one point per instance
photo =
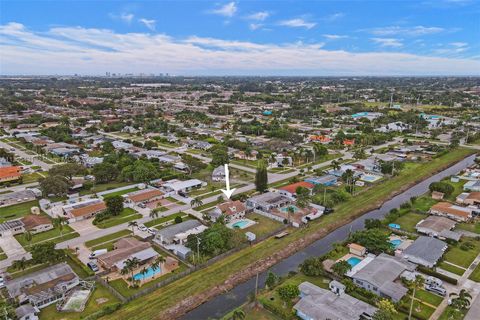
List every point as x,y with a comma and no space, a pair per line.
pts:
414,285
58,224
20,264
290,211
238,314
144,272
196,202
28,237
129,266
154,213
461,300
335,164
133,224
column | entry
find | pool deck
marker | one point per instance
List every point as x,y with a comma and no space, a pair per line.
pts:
250,223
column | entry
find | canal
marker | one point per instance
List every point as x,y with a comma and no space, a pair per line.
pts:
222,304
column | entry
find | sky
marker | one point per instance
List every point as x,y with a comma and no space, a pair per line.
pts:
261,38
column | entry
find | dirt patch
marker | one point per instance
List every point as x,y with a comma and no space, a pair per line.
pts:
101,300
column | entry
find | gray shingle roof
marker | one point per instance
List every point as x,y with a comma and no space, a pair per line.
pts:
426,248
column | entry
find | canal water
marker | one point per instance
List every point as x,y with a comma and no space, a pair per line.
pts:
222,304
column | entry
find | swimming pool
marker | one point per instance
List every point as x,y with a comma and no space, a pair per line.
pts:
395,243
370,178
285,209
353,261
150,273
241,224
394,226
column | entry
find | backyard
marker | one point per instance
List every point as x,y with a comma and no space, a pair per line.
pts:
409,220
53,235
16,211
457,254
127,214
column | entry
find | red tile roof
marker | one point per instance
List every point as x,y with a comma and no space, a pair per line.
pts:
12,172
292,188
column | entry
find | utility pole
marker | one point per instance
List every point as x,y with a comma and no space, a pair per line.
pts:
256,288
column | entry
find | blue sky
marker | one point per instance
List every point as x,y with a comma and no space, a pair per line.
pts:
429,37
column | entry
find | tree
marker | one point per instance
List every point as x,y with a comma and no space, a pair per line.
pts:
341,267
178,219
261,177
288,292
271,280
375,240
133,224
303,197
56,185
196,202
312,267
359,154
129,266
335,164
58,223
105,172
67,170
415,285
441,186
114,205
45,252
107,147
461,300
373,223
154,213
238,314
219,156
319,151
28,237
386,310
20,264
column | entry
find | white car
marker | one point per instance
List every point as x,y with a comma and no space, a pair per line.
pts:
2,282
152,230
142,227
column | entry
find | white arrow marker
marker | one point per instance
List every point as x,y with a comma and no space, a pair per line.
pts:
227,192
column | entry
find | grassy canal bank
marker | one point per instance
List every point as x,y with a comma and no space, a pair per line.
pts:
185,294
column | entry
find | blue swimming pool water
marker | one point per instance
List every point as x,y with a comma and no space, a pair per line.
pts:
394,226
285,209
150,273
353,261
395,243
240,224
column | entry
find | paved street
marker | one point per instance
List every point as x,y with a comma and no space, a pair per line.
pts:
22,154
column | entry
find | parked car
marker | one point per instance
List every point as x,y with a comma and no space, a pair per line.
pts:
142,227
152,230
142,205
96,253
435,289
2,282
93,266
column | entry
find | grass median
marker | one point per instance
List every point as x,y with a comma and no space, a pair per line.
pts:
151,305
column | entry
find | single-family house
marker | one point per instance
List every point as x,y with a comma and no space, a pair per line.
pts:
11,228
35,223
438,227
469,198
320,304
473,185
124,249
452,211
10,173
16,197
218,174
327,180
178,186
425,251
27,312
84,209
232,210
291,189
178,233
44,287
143,196
381,274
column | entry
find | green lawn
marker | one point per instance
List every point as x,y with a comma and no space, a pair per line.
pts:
105,187
258,313
161,220
100,298
68,233
128,214
122,287
110,237
424,203
120,193
453,269
475,276
420,310
263,226
461,257
451,314
152,304
458,188
16,211
472,227
429,297
409,220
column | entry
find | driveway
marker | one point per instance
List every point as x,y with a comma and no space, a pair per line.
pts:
84,227
13,250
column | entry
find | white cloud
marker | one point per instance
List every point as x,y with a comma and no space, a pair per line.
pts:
127,17
255,26
69,50
459,44
334,36
149,23
227,10
297,23
259,16
405,31
333,17
388,42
